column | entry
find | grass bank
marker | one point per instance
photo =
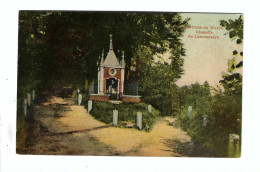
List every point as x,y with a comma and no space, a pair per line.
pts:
126,113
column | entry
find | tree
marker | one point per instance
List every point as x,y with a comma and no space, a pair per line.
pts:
73,41
227,106
33,52
232,81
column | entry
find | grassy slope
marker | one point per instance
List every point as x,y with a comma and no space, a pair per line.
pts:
126,112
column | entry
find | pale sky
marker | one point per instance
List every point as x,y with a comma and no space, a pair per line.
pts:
206,59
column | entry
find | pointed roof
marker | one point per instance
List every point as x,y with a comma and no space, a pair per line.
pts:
111,59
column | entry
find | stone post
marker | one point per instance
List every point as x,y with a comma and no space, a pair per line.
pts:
24,107
28,99
33,95
234,146
150,109
189,111
204,121
89,105
139,120
79,99
115,117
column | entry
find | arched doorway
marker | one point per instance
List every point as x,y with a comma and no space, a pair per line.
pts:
112,88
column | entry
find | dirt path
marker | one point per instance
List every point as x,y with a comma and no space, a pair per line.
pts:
48,136
66,128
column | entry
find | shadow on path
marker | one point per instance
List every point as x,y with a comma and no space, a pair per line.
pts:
188,149
86,130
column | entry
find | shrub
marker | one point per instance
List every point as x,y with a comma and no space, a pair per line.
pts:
223,117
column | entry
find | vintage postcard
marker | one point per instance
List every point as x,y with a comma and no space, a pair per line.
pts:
151,84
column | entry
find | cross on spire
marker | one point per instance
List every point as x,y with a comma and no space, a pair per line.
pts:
111,44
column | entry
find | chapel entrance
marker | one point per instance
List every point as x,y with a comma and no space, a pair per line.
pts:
112,88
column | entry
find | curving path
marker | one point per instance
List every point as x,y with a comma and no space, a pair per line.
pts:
72,120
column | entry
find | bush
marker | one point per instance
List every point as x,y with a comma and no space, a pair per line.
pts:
126,112
223,117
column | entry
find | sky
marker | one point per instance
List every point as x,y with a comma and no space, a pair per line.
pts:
205,58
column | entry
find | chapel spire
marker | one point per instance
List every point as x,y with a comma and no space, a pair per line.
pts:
111,60
111,44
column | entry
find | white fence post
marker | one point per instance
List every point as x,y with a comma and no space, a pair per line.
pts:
33,95
79,99
115,117
139,120
89,105
189,111
204,121
29,99
24,107
234,146
150,109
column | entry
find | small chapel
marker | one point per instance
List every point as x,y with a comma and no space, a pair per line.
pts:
111,86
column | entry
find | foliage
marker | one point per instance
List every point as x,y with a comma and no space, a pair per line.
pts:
126,112
199,97
65,46
213,117
157,81
76,39
157,77
221,107
157,87
235,28
228,105
232,81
